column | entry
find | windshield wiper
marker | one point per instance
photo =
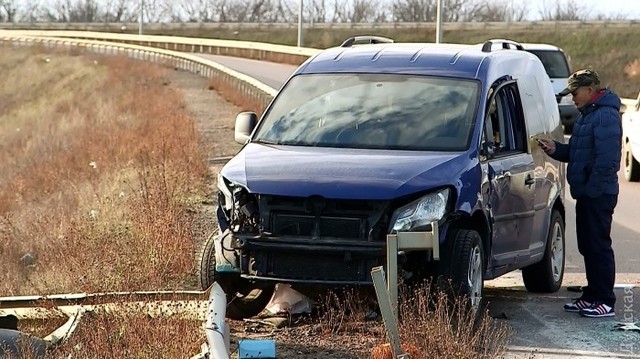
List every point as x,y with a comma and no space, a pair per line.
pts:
267,142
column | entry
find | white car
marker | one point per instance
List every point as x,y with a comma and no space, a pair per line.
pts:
631,141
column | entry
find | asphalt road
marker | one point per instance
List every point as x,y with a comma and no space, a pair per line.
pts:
625,232
538,321
270,73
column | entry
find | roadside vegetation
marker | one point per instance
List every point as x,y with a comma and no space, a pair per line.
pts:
430,324
100,167
100,164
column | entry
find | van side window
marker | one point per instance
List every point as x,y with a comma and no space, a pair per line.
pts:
507,122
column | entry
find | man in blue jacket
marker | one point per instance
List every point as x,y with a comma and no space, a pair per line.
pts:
593,156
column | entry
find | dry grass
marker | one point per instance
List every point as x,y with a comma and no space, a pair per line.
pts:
345,311
100,163
133,336
431,325
442,328
102,335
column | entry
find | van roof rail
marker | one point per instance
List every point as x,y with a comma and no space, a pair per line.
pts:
506,44
368,39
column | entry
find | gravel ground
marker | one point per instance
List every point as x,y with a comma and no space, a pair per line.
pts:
306,338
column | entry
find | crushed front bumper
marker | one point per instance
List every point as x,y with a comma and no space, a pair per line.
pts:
326,261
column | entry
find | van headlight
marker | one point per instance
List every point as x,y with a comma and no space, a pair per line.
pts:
420,213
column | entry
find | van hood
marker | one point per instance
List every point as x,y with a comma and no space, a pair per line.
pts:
340,173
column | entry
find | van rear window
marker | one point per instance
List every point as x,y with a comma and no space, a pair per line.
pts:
554,62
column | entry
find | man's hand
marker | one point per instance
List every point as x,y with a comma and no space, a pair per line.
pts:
548,146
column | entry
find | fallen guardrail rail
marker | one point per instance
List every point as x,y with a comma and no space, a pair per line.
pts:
208,306
188,304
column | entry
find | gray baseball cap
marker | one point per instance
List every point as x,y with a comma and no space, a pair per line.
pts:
584,77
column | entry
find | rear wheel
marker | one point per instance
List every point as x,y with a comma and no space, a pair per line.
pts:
631,166
245,299
546,275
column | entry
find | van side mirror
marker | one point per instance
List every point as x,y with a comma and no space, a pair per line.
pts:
245,123
487,150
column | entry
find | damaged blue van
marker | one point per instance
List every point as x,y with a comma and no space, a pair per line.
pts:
430,143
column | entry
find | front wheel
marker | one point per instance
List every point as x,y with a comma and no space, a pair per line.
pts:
245,299
546,275
631,166
463,265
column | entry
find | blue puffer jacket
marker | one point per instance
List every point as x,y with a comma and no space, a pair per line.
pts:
594,150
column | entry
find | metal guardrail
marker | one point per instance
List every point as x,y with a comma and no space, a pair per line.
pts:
96,298
187,304
238,88
246,49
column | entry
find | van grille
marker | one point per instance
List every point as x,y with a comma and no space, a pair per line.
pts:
316,217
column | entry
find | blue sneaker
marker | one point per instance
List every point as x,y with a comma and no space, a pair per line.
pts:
577,305
598,310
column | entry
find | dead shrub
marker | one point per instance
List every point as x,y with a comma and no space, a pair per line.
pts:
133,336
345,311
442,327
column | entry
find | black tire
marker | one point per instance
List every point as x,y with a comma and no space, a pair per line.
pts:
546,275
205,262
631,166
463,266
245,299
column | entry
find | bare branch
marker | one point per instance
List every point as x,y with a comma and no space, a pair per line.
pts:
8,10
566,10
495,10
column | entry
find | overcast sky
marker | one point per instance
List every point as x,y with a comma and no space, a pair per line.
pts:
630,9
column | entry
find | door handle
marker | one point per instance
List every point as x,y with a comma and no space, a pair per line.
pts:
529,181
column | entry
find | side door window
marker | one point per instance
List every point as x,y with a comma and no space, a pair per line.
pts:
507,123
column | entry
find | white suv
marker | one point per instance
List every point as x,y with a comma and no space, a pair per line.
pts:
555,63
631,141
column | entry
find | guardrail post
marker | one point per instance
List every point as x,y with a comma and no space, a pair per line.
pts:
388,315
392,272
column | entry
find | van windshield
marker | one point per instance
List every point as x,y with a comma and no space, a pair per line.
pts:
373,111
554,62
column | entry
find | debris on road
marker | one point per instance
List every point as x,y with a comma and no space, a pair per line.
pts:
627,327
